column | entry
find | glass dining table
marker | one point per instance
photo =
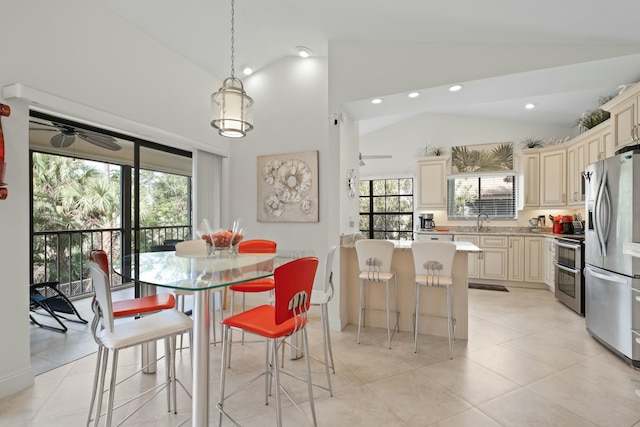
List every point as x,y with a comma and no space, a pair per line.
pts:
200,275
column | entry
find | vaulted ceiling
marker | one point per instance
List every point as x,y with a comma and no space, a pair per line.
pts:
562,56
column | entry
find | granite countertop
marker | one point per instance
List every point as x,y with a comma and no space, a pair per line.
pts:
500,231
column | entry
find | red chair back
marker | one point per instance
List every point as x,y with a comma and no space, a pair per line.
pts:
257,246
100,257
290,279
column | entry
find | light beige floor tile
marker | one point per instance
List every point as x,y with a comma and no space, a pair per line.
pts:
417,399
578,396
559,357
467,379
526,409
511,365
469,418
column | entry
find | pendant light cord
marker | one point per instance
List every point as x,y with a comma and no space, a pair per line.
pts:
232,37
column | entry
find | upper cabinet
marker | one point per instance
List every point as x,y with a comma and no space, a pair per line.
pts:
599,142
432,182
553,166
625,117
531,174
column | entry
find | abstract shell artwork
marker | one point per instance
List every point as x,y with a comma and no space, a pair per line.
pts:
288,187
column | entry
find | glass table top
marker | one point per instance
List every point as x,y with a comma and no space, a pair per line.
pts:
165,269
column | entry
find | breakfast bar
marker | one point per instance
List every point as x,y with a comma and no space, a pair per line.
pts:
433,313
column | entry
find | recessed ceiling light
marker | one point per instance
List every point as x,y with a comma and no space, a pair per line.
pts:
455,88
414,94
530,106
376,101
304,52
247,70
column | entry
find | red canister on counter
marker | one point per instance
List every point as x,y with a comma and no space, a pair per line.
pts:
557,228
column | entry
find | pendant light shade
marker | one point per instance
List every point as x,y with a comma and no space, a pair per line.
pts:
232,109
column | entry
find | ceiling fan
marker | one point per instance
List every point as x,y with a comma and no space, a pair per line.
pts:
66,135
372,156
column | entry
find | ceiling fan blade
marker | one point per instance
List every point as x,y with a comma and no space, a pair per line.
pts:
44,129
376,156
100,140
62,140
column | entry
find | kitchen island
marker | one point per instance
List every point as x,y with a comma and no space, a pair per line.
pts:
433,312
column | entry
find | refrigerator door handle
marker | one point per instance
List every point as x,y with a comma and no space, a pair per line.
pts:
598,215
605,277
607,214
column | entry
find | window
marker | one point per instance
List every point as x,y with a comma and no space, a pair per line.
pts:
386,208
471,194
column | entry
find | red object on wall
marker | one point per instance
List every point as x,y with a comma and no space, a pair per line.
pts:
4,111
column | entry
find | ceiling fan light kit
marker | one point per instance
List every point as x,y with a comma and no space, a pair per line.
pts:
232,107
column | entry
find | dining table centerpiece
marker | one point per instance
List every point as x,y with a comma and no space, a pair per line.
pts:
221,242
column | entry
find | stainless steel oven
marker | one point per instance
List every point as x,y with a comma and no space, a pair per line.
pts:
569,273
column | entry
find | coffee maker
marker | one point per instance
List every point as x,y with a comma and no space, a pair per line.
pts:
426,222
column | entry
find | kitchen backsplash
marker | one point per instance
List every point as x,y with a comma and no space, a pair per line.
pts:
441,220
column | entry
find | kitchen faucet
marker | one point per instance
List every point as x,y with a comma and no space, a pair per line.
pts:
479,221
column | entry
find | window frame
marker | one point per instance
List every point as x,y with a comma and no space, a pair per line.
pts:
386,233
509,211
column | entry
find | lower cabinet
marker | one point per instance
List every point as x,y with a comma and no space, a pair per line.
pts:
549,255
527,259
493,264
516,259
534,266
474,258
505,258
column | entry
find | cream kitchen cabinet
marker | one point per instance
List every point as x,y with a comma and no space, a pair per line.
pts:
576,163
549,256
491,263
472,259
526,259
599,143
531,175
494,260
516,258
625,117
553,188
432,182
534,256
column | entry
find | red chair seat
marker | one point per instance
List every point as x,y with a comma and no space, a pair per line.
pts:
148,304
262,321
258,285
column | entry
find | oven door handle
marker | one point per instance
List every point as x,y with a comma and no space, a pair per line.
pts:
568,246
570,270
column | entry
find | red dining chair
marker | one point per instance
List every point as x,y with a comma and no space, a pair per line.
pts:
122,309
256,246
293,283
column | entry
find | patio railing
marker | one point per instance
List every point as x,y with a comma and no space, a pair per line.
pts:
63,256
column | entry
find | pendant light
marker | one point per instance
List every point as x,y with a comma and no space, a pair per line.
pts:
232,107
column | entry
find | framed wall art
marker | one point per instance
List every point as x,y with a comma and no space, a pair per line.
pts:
288,187
482,157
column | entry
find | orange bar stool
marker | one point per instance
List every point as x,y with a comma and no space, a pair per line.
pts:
293,285
255,246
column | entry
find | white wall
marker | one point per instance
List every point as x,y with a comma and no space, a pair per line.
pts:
297,121
77,50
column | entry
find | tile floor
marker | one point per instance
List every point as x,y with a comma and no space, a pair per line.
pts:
528,362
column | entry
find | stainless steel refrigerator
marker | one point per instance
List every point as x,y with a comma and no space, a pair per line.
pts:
612,279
